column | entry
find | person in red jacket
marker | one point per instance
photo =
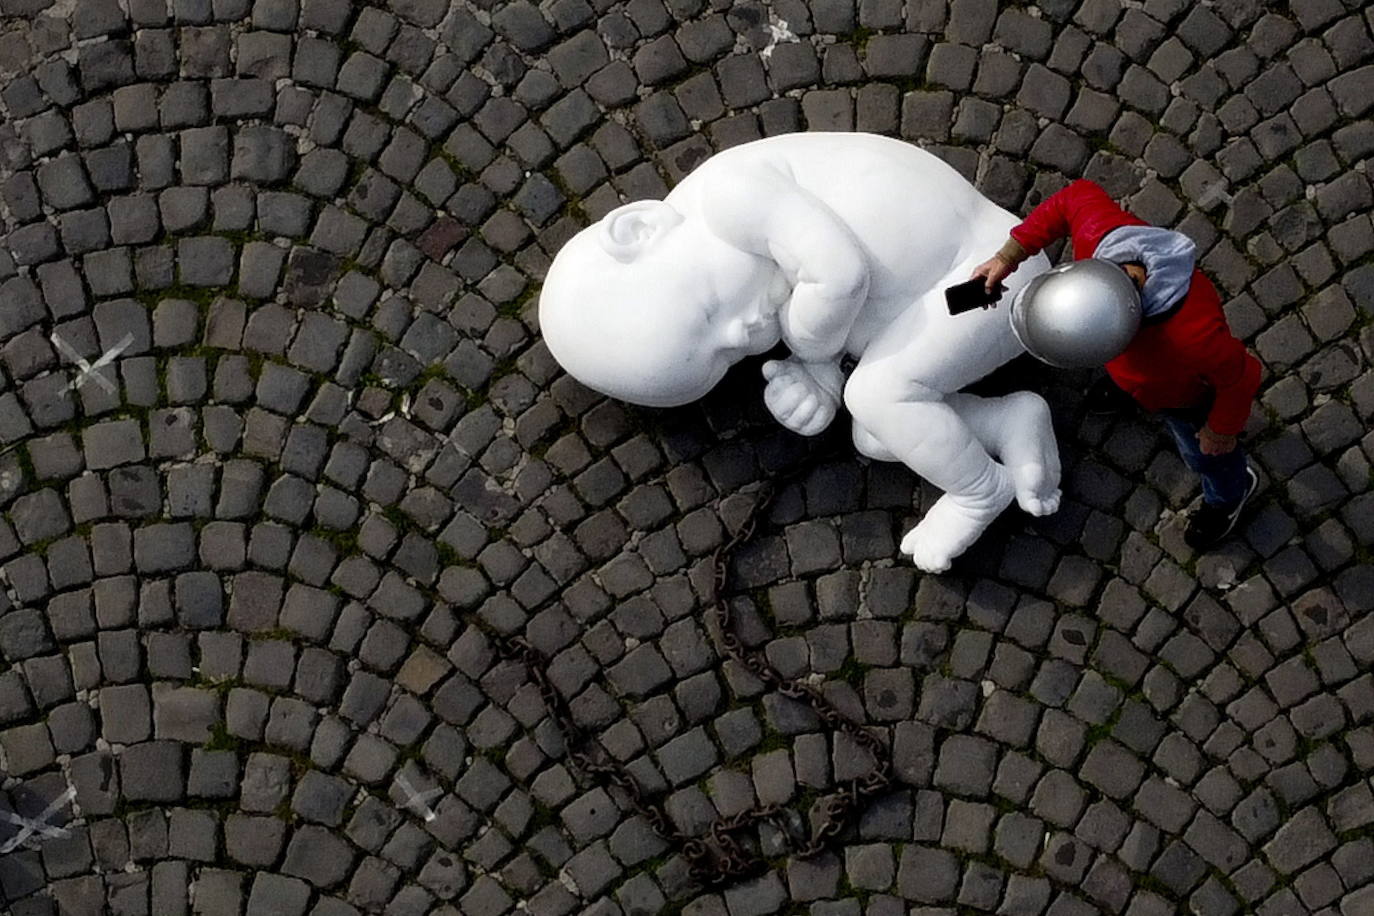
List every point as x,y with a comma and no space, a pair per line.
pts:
1183,363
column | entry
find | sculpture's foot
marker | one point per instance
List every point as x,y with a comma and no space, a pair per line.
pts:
1017,429
951,526
1029,449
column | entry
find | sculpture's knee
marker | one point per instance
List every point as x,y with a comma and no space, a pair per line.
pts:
870,395
908,420
859,396
1030,406
869,446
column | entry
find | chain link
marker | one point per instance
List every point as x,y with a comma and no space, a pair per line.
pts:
724,859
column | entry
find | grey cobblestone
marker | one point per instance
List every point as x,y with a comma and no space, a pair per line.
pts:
249,583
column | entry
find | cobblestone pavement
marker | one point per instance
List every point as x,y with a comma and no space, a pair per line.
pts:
282,451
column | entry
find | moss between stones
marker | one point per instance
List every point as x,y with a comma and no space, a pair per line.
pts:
221,740
858,38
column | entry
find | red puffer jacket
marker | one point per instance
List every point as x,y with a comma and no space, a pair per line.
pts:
1183,360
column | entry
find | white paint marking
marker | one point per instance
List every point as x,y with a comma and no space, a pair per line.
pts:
87,370
414,798
1214,192
38,825
778,32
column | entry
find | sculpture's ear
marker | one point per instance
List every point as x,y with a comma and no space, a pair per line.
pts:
630,229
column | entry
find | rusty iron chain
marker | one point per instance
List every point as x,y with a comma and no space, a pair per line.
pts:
723,859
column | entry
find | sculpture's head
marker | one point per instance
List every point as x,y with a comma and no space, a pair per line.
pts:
652,308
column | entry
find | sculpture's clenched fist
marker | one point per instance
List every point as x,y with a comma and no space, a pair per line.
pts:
802,396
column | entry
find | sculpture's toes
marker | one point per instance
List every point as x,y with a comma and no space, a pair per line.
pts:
951,526
1037,491
1028,448
926,552
1040,505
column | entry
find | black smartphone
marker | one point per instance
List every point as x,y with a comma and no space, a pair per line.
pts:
970,295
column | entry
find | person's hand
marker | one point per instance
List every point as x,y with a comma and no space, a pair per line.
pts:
1214,443
993,271
802,396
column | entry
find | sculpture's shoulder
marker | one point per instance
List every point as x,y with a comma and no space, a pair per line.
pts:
880,190
764,169
829,165
731,166
731,192
829,151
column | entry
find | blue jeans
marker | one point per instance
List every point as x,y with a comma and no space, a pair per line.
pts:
1224,480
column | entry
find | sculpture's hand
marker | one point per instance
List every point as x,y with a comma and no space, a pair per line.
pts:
802,396
993,271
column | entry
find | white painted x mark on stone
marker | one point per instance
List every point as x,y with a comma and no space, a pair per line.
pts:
87,370
414,798
778,33
37,825
1216,191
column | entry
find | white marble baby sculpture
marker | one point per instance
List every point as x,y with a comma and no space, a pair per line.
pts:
833,244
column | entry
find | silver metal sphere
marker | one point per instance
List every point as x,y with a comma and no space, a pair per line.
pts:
1077,315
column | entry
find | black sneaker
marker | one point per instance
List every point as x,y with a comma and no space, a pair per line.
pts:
1208,525
1104,398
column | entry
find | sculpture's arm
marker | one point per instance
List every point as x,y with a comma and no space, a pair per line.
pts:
763,210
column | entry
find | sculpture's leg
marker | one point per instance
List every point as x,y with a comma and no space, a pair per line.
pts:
918,427
1016,429
898,397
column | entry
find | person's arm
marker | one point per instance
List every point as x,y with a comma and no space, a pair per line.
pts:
1059,215
1222,361
1234,375
1056,217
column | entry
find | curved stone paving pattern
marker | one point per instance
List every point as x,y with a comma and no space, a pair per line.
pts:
255,545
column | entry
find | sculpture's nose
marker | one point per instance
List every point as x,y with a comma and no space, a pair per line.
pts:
739,332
